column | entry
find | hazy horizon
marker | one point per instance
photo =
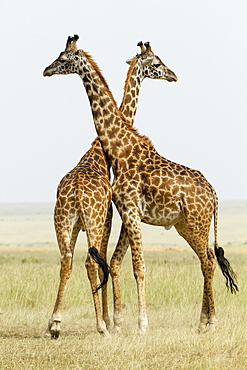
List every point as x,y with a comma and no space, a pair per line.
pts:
28,223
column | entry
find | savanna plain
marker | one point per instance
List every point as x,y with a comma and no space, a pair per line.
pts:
30,264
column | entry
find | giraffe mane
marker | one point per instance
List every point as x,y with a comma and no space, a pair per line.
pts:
143,138
97,69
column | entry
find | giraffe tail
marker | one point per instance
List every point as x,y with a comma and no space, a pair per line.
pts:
227,271
102,263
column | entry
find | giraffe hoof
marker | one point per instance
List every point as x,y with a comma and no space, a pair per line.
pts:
107,322
209,327
55,330
101,329
116,329
142,325
141,331
55,334
202,328
104,333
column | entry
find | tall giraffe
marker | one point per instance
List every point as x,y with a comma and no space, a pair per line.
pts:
149,188
84,193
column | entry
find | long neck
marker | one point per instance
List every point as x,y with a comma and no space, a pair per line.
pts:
109,121
131,91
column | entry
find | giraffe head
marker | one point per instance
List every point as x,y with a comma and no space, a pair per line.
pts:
67,61
151,65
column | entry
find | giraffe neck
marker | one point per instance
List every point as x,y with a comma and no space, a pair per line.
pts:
131,91
109,122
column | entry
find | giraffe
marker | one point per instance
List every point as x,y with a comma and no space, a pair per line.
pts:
84,203
149,188
84,195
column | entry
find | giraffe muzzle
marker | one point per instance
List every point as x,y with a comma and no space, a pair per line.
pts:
49,71
171,77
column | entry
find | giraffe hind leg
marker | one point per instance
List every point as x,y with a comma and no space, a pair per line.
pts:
54,321
92,270
95,228
208,319
103,276
103,252
199,243
66,241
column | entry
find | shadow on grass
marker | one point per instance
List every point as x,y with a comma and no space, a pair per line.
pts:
67,334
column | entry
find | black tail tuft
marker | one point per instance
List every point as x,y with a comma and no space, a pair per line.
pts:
231,278
103,265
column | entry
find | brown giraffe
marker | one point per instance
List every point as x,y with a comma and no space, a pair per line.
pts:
149,188
83,203
84,193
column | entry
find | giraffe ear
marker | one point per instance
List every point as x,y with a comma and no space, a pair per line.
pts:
128,61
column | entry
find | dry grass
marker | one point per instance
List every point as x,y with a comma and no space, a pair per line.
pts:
28,285
174,287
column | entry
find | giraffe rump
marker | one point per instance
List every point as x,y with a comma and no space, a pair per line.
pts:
103,265
227,271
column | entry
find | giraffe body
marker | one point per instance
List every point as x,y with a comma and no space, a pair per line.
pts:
149,188
84,194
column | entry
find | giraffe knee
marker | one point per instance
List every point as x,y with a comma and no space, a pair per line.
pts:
139,273
66,258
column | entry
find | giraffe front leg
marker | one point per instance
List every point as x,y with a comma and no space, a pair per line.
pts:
116,262
139,274
133,229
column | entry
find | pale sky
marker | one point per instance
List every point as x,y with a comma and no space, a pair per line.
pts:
199,121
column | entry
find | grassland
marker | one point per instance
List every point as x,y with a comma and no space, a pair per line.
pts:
29,263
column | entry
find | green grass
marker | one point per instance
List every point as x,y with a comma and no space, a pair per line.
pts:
28,286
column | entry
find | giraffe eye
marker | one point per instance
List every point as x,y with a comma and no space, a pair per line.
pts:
157,65
62,60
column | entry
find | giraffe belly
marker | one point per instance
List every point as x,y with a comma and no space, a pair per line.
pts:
166,216
166,222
